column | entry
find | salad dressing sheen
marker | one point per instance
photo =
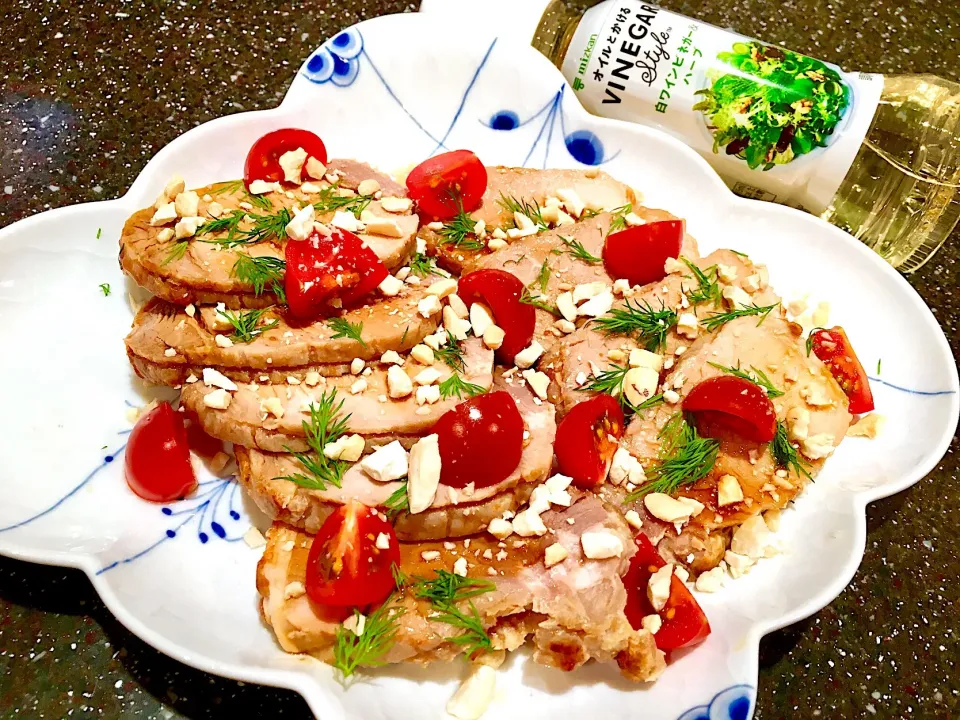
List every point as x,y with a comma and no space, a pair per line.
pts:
878,156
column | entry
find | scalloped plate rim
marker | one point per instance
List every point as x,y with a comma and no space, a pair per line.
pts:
305,683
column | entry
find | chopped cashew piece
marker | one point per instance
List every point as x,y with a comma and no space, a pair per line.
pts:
529,355
729,491
644,358
601,545
538,382
398,382
424,475
386,463
658,587
474,695
711,580
165,214
480,318
554,554
500,528
218,399
187,204
493,337
668,509
869,426
292,163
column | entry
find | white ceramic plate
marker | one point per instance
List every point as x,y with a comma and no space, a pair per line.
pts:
178,577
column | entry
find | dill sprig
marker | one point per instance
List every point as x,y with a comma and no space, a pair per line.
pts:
443,592
398,502
246,325
105,289
786,454
649,324
421,265
179,249
326,425
754,375
229,187
331,200
538,301
457,386
379,634
543,277
474,637
577,250
448,587
261,272
717,320
649,402
455,231
708,288
619,220
262,228
610,381
451,353
529,208
810,338
685,457
345,329
232,187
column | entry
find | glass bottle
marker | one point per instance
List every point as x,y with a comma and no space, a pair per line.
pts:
878,156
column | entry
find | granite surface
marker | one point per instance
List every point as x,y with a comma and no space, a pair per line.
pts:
90,90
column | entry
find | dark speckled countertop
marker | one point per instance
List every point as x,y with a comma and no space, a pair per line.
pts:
90,90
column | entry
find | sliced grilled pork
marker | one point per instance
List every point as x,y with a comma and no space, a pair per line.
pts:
204,273
598,191
247,422
774,347
586,352
454,513
572,612
167,345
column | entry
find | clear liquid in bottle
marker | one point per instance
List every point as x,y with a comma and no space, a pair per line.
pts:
901,193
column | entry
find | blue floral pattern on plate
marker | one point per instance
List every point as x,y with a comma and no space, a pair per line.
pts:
336,61
583,145
734,703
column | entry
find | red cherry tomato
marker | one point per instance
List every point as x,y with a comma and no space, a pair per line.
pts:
446,183
323,267
639,253
587,439
835,351
263,160
345,566
683,621
735,404
501,292
157,459
481,440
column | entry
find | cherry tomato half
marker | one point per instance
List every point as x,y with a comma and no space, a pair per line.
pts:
735,404
446,183
835,351
263,160
587,439
157,459
683,621
345,566
481,440
501,292
639,253
323,267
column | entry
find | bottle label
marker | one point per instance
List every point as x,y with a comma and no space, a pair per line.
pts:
774,124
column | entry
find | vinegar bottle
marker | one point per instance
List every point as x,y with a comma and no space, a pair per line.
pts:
878,156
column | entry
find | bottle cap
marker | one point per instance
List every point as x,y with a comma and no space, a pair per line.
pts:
514,19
